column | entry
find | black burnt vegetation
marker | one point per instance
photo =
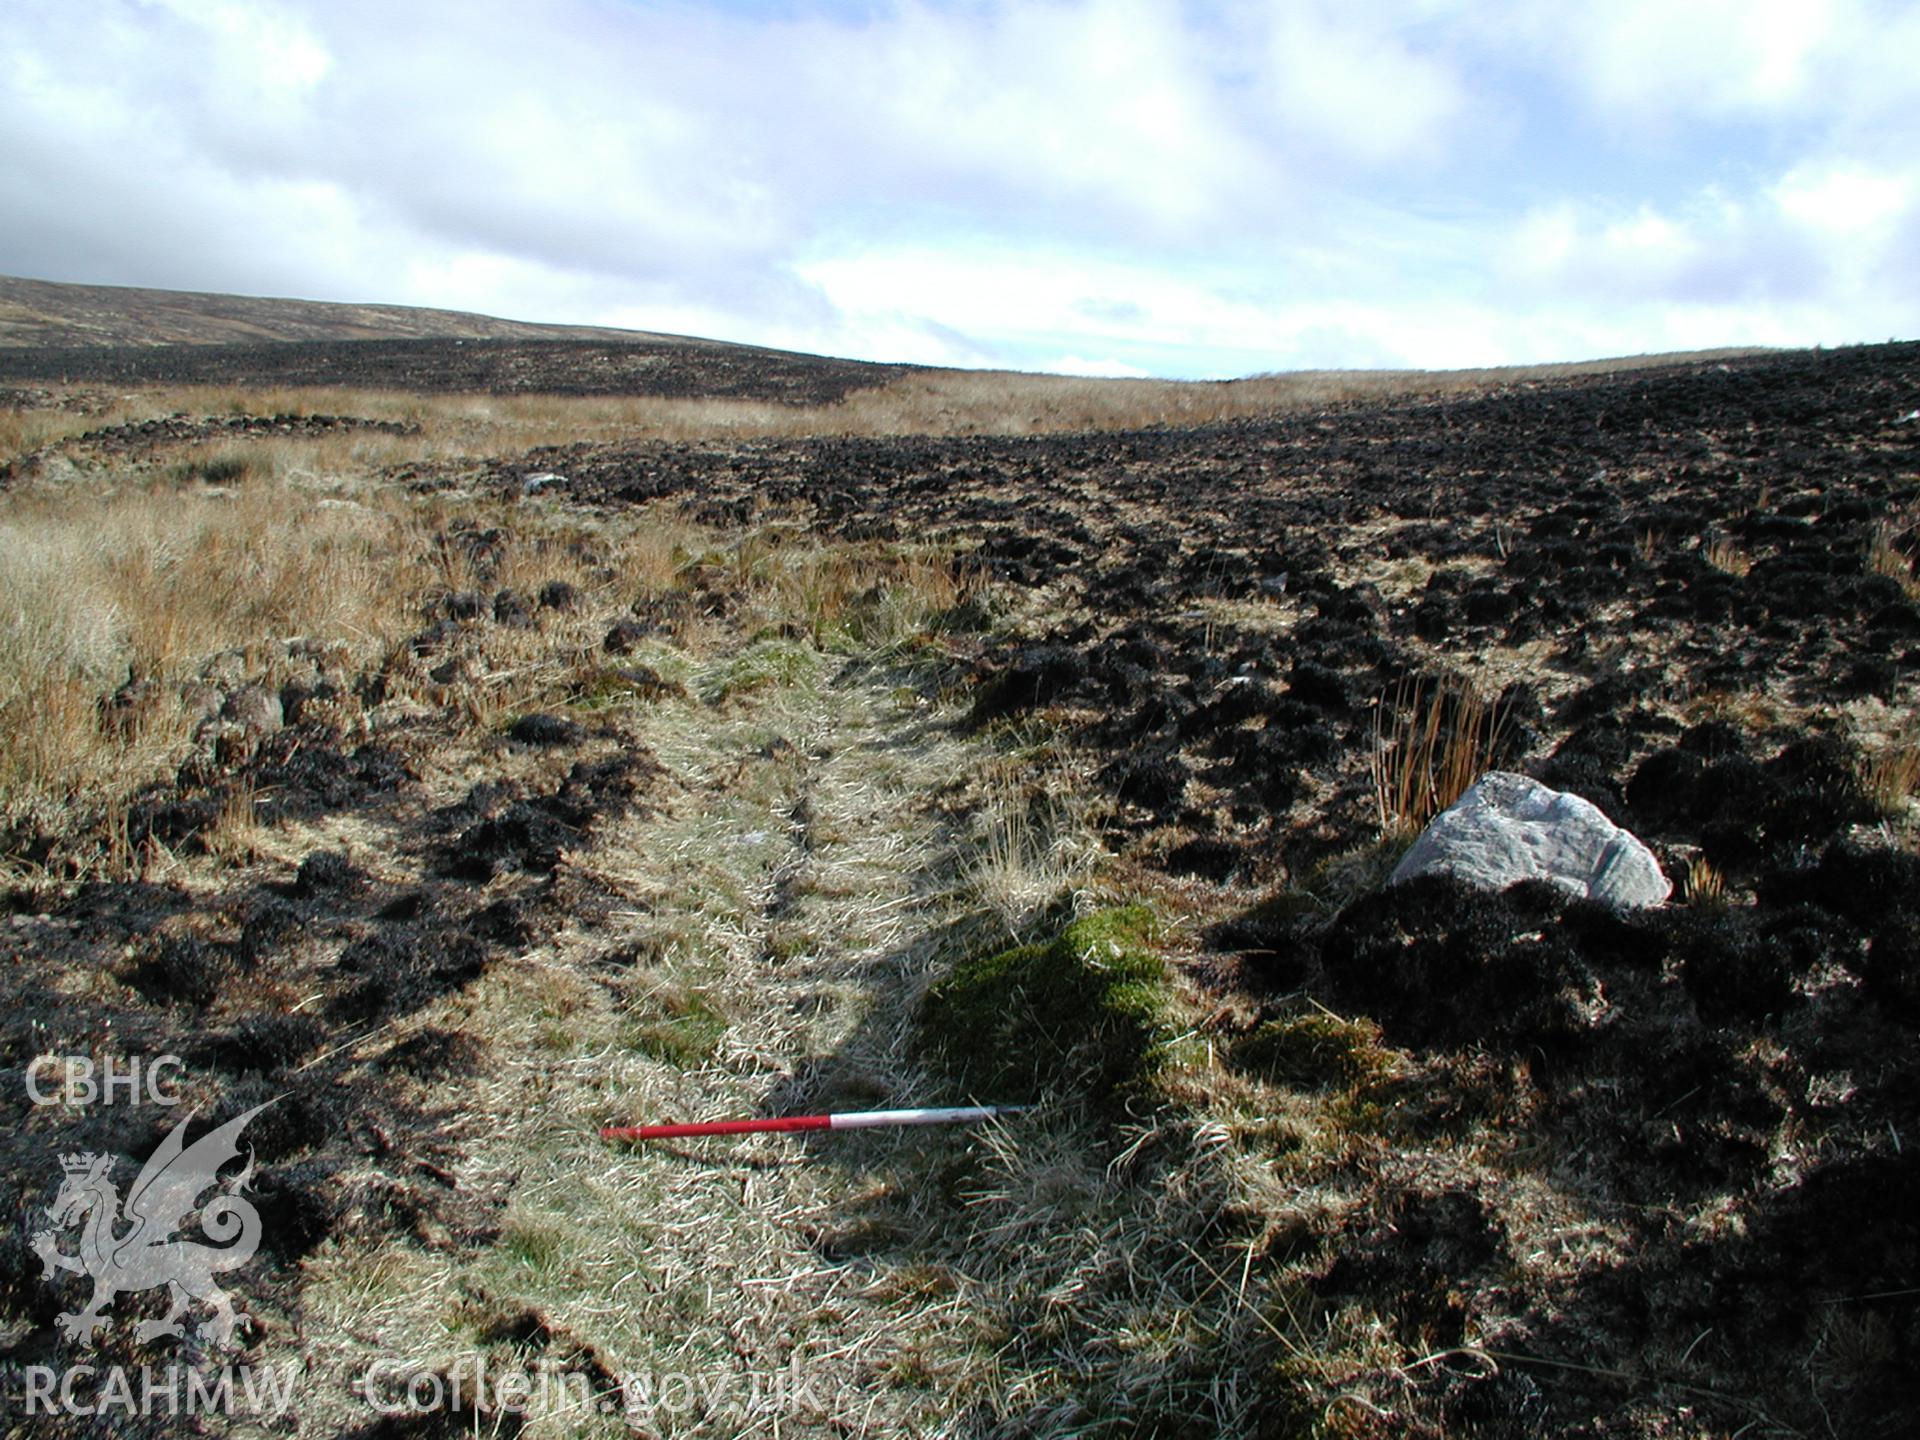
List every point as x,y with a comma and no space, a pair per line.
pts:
1570,1171
153,927
674,368
1660,583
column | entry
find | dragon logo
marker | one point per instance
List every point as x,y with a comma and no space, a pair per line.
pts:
145,1253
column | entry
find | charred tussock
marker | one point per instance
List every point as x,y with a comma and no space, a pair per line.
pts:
514,791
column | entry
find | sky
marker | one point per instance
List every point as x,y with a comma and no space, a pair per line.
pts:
1104,187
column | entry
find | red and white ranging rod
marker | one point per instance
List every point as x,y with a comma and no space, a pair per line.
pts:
846,1120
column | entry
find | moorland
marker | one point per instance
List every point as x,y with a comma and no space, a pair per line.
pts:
457,743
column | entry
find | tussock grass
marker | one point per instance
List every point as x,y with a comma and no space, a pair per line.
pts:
235,834
147,583
924,402
224,463
118,598
1886,557
862,597
1703,886
24,431
1030,846
1891,777
1725,556
1429,746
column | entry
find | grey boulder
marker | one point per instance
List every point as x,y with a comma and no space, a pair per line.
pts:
255,710
1508,828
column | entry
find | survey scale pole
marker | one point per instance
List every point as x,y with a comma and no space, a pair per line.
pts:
790,1124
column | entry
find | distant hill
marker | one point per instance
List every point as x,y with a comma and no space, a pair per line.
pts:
46,313
116,335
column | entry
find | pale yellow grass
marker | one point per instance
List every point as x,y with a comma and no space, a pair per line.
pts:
1031,843
1429,751
1886,557
1892,777
920,402
865,595
145,583
1703,886
1725,556
25,429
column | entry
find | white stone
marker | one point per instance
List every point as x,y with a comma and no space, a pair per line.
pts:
1508,828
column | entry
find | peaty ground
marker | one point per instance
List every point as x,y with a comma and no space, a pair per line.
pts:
663,788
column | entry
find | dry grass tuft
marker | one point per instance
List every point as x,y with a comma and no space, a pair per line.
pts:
1429,746
22,431
1703,886
148,583
1031,846
1885,557
1725,556
234,837
1891,777
872,598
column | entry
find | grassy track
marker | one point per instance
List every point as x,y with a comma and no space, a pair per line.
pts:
784,907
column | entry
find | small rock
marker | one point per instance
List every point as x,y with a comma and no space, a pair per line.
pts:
1508,828
122,711
228,669
200,700
255,709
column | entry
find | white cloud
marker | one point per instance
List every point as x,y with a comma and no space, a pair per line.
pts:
1828,68
1126,184
1717,55
1824,235
1106,104
1847,201
1344,80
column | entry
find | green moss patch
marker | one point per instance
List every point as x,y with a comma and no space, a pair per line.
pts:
679,1027
601,686
768,662
1315,1049
1086,1011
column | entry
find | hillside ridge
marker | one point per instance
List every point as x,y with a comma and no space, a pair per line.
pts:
56,314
